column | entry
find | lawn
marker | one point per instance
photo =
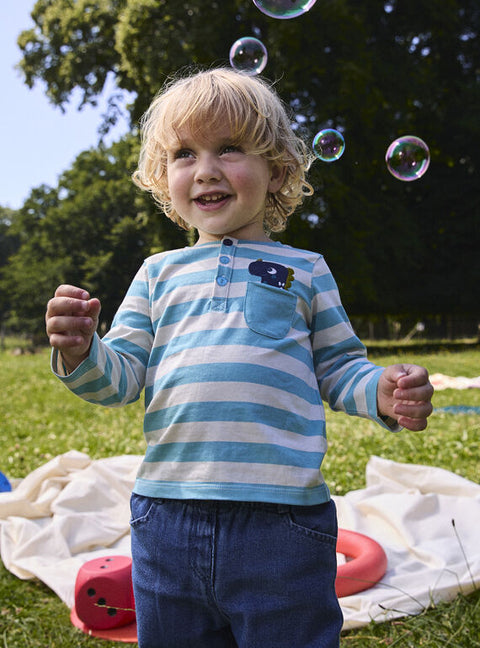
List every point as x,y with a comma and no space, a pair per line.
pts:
41,419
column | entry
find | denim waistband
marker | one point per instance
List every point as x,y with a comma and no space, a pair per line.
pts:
229,505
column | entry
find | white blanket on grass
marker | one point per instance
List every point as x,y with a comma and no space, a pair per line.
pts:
441,381
74,509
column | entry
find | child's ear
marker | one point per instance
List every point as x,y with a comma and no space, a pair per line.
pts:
277,176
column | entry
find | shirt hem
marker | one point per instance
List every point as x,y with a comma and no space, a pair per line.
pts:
234,492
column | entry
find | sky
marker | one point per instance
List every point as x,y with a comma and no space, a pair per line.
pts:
38,141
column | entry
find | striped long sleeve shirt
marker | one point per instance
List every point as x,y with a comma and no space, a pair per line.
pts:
237,345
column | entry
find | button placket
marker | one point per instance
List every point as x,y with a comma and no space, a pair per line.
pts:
224,274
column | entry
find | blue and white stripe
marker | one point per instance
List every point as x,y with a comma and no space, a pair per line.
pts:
233,396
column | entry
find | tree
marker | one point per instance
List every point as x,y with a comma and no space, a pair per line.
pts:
8,245
28,269
92,230
375,70
8,242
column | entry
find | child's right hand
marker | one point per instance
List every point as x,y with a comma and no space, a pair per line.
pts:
71,321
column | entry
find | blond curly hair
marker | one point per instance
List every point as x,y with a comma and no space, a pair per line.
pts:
255,115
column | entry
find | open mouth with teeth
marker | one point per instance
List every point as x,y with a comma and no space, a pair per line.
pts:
211,199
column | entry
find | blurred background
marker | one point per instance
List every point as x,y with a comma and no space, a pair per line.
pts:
405,254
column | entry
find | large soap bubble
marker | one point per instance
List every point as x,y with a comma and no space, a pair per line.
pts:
284,8
328,145
407,158
248,55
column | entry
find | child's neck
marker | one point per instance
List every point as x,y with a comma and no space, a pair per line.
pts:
259,237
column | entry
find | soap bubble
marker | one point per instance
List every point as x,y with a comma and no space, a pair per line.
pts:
248,55
284,8
407,158
328,145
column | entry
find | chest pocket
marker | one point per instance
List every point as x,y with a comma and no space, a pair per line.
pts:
269,310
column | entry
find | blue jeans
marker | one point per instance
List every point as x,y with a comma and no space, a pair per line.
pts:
213,574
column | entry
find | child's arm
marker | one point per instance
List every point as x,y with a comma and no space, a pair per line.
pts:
109,371
348,381
404,393
71,321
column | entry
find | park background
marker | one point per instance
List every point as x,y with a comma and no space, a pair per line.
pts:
403,253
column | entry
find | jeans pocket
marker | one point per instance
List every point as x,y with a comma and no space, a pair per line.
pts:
140,508
318,522
269,310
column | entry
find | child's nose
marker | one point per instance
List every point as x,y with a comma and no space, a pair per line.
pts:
207,169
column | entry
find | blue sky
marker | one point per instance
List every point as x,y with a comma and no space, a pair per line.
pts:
38,141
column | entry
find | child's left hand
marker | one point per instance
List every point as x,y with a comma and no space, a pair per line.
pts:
404,393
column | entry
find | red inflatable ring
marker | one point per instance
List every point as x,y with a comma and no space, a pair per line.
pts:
367,564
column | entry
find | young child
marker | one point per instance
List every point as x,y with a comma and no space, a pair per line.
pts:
236,341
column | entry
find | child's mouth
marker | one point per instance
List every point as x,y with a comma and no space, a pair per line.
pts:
211,199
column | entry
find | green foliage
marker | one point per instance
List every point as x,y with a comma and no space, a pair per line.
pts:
8,242
93,230
375,70
71,41
30,269
8,245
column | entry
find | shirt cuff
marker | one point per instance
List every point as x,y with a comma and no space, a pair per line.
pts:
61,371
390,422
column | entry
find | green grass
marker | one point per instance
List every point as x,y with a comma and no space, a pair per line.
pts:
450,441
41,419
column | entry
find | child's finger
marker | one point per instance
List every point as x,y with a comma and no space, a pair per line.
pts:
70,340
414,376
422,393
413,424
66,290
66,306
94,307
414,415
64,323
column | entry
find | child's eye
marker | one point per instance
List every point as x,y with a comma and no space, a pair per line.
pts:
181,154
231,148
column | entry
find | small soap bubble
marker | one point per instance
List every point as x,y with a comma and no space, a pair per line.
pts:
328,145
248,55
284,8
407,158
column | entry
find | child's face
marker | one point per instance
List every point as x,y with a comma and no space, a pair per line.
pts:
219,188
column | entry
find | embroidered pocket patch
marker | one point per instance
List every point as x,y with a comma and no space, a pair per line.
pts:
273,274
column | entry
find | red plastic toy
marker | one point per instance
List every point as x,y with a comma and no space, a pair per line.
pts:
367,565
104,603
